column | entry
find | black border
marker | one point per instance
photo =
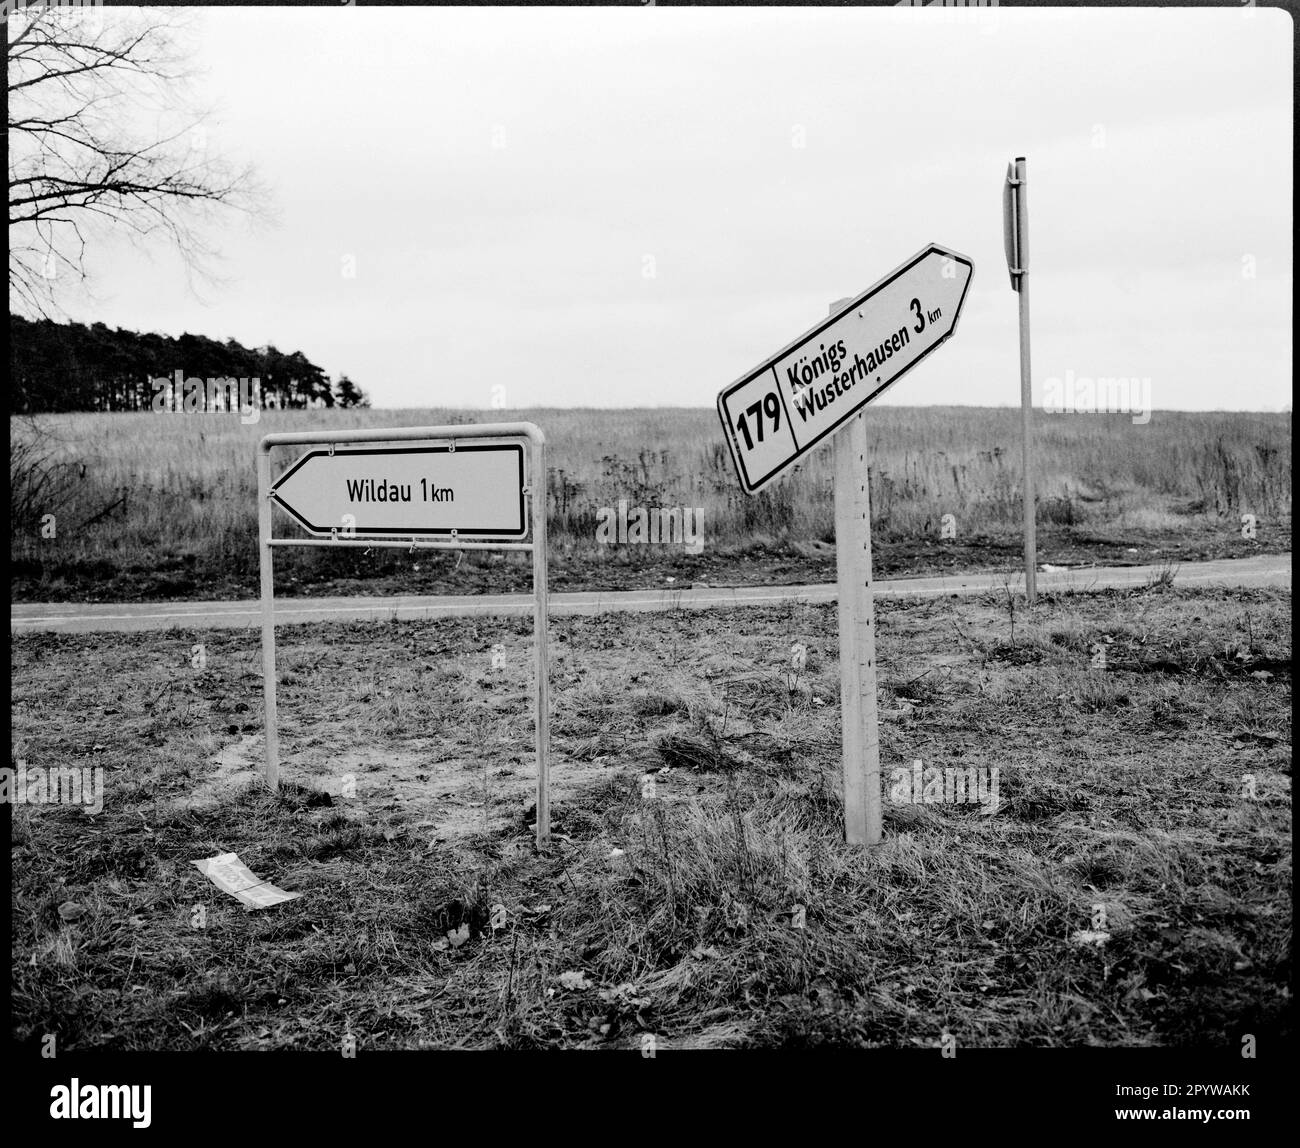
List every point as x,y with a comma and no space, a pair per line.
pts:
327,532
753,487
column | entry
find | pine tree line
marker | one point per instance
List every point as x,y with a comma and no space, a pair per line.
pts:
58,367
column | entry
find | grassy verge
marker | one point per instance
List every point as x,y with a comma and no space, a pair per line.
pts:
129,506
698,892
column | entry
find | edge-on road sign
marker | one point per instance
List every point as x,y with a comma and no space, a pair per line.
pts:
1014,239
459,490
783,408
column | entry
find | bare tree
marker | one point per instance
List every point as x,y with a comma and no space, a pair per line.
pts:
102,139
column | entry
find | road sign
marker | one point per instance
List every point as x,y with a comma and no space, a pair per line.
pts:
458,481
782,409
1013,225
466,490
1015,222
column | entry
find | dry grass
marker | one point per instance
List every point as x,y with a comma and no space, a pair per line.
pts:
1155,792
140,492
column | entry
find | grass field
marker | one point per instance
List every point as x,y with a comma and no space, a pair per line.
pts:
163,505
1131,888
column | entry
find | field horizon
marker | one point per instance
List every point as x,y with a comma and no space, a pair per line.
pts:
142,505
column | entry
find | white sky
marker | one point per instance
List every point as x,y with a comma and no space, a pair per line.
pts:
635,140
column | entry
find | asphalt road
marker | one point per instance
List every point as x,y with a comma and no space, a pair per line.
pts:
82,618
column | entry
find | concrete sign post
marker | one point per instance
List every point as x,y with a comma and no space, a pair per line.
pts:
427,488
815,387
860,724
1015,235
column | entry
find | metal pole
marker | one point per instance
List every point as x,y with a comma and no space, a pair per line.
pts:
268,612
860,735
542,693
1026,389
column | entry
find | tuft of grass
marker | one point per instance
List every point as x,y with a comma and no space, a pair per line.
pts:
718,908
174,496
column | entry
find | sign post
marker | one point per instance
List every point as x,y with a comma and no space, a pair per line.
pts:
818,386
1015,235
860,728
429,488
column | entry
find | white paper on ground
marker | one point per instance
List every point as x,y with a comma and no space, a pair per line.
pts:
229,874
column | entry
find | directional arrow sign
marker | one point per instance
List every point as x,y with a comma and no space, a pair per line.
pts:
782,409
425,488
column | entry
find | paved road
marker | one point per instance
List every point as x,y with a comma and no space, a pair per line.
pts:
80,618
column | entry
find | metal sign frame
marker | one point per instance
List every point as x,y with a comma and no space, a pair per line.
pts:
532,440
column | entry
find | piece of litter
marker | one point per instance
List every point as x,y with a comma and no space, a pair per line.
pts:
615,853
574,980
1090,937
457,937
229,874
71,910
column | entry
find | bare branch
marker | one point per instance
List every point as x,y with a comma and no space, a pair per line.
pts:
78,170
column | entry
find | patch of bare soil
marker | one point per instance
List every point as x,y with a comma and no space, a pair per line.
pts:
698,890
447,797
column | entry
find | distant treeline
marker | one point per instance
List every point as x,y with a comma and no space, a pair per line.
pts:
71,367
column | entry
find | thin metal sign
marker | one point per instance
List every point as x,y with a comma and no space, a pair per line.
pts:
783,408
1013,224
428,489
1015,236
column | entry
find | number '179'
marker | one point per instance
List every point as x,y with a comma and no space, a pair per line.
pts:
768,405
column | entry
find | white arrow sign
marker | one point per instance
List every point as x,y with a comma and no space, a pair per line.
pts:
783,408
474,490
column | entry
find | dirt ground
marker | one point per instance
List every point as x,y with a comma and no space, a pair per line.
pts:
1131,887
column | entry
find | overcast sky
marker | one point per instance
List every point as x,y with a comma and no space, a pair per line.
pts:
633,207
